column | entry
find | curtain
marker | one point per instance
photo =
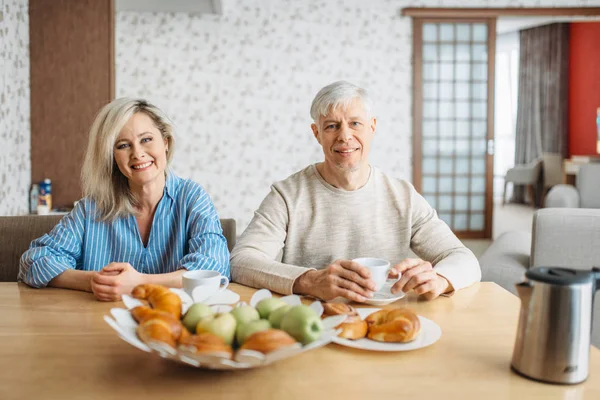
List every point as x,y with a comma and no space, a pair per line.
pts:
543,97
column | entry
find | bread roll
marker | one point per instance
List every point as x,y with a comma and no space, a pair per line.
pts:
398,325
267,341
330,309
353,327
206,343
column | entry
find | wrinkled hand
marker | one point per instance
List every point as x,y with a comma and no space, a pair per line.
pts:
343,278
115,280
419,275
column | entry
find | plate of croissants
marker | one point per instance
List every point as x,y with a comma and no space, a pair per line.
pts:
162,321
396,329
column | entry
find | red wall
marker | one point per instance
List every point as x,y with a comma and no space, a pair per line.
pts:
584,87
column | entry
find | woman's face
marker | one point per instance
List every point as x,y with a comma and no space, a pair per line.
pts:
140,151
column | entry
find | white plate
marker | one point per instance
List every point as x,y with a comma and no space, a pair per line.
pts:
384,296
430,333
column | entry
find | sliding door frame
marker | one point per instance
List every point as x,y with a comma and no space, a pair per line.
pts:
418,114
468,15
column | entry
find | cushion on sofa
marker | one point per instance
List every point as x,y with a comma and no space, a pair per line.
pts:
506,260
566,237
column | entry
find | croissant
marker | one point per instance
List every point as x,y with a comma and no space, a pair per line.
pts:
161,328
397,325
353,327
268,340
206,343
159,297
142,313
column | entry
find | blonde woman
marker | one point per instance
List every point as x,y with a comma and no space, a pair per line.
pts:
138,222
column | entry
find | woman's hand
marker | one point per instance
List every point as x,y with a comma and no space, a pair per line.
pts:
419,275
115,280
343,278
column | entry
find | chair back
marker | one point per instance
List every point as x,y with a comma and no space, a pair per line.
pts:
588,185
229,231
553,170
17,233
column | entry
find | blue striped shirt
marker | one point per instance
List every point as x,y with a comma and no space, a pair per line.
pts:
186,233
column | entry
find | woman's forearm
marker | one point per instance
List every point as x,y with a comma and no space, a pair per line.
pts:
73,279
171,279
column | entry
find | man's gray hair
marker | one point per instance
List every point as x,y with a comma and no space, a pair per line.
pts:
338,94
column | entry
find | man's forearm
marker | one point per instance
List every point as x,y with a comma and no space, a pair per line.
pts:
303,284
73,279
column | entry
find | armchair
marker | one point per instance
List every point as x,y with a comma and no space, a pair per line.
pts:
586,194
524,174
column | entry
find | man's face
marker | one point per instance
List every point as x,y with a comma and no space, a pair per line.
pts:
345,135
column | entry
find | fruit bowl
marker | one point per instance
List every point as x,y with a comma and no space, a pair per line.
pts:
121,320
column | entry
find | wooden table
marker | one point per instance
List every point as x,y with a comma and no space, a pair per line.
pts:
55,345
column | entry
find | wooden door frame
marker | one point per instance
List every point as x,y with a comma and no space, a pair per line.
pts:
423,12
489,15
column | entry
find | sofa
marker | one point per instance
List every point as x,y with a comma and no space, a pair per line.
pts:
560,237
16,234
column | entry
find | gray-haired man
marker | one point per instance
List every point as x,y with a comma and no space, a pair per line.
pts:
312,224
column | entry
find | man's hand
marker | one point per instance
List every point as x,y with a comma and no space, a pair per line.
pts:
343,278
419,275
114,280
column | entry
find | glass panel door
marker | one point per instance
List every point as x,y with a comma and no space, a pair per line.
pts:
453,136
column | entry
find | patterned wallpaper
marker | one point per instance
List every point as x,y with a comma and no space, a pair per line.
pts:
239,86
15,162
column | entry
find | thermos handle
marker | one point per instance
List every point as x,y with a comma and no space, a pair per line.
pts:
596,272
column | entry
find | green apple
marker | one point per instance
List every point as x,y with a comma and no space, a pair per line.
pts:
266,306
244,331
222,325
277,315
245,314
302,323
194,314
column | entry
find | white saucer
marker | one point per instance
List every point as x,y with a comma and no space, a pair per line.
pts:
384,296
430,333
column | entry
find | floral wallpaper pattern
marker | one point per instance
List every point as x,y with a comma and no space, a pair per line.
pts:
239,85
15,161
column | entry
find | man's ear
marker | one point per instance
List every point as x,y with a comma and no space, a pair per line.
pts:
373,125
315,132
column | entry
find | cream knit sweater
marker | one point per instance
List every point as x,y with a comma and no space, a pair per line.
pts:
305,223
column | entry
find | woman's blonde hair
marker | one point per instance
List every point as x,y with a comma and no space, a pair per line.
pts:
101,179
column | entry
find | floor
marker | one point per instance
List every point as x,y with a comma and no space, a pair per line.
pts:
509,217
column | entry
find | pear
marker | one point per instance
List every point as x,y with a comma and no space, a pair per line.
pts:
277,315
244,331
222,325
194,314
266,306
245,314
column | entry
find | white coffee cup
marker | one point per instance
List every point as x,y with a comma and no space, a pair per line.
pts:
211,282
379,268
